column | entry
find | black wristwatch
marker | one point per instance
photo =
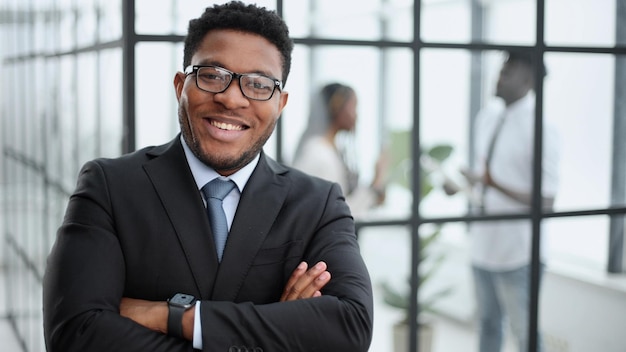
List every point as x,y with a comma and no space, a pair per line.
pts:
177,306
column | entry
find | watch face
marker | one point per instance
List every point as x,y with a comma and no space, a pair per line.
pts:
182,300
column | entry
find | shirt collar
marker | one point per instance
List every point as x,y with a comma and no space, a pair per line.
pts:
203,173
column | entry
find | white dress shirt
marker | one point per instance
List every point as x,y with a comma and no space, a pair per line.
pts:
203,174
506,245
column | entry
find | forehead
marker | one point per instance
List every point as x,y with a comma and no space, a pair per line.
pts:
239,51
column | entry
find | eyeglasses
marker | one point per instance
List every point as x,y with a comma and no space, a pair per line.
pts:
215,79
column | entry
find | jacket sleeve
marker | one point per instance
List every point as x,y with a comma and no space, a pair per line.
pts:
85,278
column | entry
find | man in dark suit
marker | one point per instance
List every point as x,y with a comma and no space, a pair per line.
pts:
134,266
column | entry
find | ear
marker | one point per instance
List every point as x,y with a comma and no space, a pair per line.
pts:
282,101
179,83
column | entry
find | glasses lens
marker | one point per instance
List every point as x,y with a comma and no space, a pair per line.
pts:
257,87
212,79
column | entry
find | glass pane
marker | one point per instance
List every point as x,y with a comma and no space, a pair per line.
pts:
86,100
156,105
577,267
446,21
398,20
86,23
581,22
67,26
397,97
151,19
68,123
444,78
353,19
110,26
578,242
359,68
111,124
42,31
446,296
172,17
479,138
511,22
577,87
477,256
54,123
186,10
41,106
386,251
20,45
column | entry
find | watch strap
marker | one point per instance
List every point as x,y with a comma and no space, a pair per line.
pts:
175,321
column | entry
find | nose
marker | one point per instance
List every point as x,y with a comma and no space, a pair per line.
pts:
232,97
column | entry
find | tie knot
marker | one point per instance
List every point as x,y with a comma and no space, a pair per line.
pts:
218,188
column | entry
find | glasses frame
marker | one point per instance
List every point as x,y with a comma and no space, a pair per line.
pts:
193,70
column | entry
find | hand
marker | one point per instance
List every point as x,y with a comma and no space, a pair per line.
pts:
487,180
382,166
381,176
305,283
471,177
450,187
152,315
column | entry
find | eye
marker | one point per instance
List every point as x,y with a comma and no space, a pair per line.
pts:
211,76
259,83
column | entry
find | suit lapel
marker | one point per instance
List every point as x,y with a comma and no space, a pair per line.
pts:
259,205
175,186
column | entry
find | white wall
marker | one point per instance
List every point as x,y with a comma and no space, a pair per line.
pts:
583,315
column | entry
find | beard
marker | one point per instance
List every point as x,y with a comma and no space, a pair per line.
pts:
221,162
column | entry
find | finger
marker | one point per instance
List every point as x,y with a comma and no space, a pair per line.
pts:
297,273
314,287
299,281
306,285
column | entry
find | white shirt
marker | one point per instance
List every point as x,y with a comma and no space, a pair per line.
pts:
506,245
203,174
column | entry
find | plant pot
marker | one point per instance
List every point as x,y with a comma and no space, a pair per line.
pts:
401,337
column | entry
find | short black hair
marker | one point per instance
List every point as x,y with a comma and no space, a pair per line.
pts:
527,58
247,18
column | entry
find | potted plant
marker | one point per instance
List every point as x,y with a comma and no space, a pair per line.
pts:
430,162
399,298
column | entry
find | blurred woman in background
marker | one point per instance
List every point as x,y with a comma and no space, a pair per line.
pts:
327,148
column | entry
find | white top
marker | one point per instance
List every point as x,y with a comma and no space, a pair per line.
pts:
319,158
506,245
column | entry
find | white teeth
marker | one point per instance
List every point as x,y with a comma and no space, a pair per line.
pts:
226,126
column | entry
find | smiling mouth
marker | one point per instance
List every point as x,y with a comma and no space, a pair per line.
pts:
227,126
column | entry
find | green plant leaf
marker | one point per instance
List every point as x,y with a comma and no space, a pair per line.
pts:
440,152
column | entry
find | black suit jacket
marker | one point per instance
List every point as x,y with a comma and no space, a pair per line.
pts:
136,227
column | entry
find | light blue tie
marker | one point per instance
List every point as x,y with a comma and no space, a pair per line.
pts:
214,192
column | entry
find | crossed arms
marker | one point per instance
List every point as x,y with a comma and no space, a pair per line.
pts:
302,284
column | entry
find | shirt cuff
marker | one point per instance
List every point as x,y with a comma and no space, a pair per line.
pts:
197,328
